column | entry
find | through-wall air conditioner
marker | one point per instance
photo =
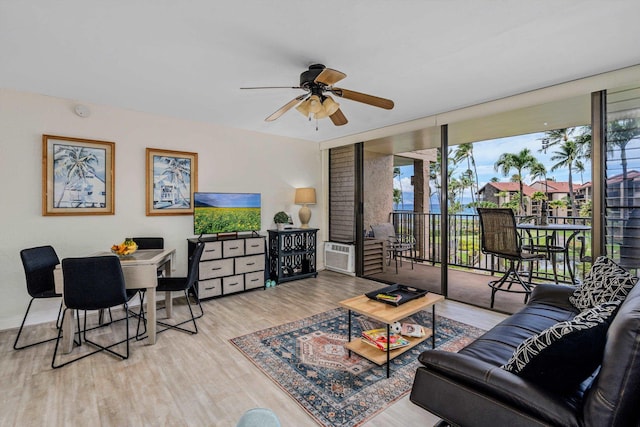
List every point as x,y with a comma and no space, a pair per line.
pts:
340,257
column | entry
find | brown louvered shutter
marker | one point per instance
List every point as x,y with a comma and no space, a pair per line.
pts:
342,179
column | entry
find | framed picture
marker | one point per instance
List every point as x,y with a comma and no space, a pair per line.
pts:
77,176
172,178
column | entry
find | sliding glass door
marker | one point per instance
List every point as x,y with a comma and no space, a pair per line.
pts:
622,176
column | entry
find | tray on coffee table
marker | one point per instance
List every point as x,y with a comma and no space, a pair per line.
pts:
404,292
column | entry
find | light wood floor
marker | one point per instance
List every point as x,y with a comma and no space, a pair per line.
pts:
187,380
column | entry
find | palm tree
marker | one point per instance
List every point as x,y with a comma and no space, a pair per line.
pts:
466,179
397,196
566,156
557,204
619,134
580,167
520,162
538,170
555,137
178,172
465,151
397,174
74,164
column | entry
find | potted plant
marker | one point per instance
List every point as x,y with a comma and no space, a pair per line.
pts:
281,218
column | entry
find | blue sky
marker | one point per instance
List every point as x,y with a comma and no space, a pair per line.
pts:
487,152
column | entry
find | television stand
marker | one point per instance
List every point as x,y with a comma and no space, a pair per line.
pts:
228,235
229,264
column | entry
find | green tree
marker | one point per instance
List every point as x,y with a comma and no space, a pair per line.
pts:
585,209
557,205
397,196
566,156
521,161
619,133
465,152
397,174
539,196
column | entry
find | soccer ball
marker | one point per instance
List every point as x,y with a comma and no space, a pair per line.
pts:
395,328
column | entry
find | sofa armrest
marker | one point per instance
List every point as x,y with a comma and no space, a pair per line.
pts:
552,294
499,384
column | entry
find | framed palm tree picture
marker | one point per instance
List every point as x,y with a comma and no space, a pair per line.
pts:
172,178
77,176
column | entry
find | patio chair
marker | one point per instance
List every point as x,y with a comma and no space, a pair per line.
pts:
396,243
499,237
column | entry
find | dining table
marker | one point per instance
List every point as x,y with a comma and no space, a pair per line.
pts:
552,244
140,271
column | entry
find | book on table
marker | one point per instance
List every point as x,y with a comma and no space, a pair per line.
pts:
378,338
412,330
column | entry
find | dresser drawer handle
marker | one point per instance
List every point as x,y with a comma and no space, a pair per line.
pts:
234,247
234,284
254,280
216,268
255,246
210,250
209,288
251,263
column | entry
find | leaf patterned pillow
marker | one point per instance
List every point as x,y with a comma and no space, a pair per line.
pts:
565,354
606,281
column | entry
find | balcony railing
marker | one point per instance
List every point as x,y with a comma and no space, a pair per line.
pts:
464,244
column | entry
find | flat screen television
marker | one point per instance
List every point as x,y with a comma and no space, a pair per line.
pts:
215,213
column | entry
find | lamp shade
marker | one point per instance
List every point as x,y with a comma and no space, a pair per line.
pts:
329,106
305,196
315,104
303,108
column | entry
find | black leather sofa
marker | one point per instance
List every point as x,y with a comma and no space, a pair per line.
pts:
469,388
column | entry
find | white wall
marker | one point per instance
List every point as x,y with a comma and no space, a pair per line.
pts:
229,160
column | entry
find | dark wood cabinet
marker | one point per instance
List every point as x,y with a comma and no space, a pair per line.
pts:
292,254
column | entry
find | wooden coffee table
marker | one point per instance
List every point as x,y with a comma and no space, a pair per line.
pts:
389,314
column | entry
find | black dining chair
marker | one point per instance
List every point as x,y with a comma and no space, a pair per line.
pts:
93,283
149,242
186,285
499,236
38,263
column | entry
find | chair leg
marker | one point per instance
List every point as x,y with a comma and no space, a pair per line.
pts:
197,300
24,319
510,278
141,317
192,319
100,348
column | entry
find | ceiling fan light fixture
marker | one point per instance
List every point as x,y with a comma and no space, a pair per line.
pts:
330,106
303,108
315,105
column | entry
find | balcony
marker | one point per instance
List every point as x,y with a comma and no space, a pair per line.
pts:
470,269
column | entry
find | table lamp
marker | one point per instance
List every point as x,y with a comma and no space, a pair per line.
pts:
304,197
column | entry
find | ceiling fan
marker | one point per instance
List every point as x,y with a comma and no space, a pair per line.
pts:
318,83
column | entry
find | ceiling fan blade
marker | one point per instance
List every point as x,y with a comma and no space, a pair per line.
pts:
285,108
329,76
272,87
387,104
338,118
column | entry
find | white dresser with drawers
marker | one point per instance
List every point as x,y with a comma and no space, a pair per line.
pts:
230,265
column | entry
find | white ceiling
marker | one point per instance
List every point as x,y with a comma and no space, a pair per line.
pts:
188,59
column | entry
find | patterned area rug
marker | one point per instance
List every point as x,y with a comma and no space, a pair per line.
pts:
307,359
